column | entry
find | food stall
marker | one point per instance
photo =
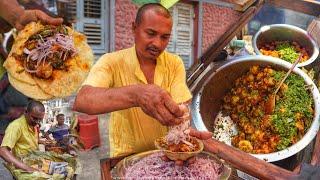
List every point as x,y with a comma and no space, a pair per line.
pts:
214,74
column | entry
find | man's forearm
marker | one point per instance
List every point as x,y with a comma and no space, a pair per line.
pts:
92,100
8,157
10,10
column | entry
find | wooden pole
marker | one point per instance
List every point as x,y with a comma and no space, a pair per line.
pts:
247,163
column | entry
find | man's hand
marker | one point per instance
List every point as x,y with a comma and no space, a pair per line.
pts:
28,16
6,154
157,103
30,169
202,135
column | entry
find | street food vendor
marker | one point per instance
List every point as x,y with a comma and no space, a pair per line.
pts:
21,136
142,86
59,130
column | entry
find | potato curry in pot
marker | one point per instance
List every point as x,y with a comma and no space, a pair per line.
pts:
258,132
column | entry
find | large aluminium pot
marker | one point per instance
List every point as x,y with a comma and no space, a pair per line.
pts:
286,32
208,99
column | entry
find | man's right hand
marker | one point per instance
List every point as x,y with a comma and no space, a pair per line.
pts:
30,169
5,153
157,103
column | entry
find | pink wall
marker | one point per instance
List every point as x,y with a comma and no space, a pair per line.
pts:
216,21
124,16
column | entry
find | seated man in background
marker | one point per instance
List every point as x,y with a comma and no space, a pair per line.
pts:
21,136
59,130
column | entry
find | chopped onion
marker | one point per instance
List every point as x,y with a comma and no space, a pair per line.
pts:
179,133
46,47
26,51
27,69
153,167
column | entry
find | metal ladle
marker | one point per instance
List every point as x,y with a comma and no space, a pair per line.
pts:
271,102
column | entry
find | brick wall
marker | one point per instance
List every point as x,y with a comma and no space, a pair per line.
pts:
216,21
125,14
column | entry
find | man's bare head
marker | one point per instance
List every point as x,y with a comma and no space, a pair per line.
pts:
152,30
156,7
35,112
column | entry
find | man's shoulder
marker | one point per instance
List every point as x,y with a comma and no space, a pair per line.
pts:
116,55
57,127
168,54
19,121
65,126
171,58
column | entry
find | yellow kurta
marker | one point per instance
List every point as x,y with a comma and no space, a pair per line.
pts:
20,137
131,130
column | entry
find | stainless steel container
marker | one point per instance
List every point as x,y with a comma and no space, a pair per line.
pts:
214,83
285,32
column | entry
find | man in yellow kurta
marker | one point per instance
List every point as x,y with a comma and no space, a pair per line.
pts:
142,85
131,130
21,136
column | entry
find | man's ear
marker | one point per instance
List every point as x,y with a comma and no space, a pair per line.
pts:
134,26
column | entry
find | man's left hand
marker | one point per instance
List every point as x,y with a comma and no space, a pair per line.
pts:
35,15
202,135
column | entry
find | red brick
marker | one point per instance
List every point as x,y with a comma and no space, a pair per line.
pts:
216,21
125,15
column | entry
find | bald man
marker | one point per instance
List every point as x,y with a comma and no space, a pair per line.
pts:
142,85
22,135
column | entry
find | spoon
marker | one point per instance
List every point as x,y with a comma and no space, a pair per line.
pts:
271,102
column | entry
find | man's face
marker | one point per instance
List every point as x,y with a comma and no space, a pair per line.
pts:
34,117
152,35
60,120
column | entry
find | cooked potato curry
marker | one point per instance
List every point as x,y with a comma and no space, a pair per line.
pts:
288,51
258,132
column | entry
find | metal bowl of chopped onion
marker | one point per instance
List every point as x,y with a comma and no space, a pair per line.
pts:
285,32
149,165
216,81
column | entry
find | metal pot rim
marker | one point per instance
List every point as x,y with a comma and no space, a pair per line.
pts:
279,155
312,58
